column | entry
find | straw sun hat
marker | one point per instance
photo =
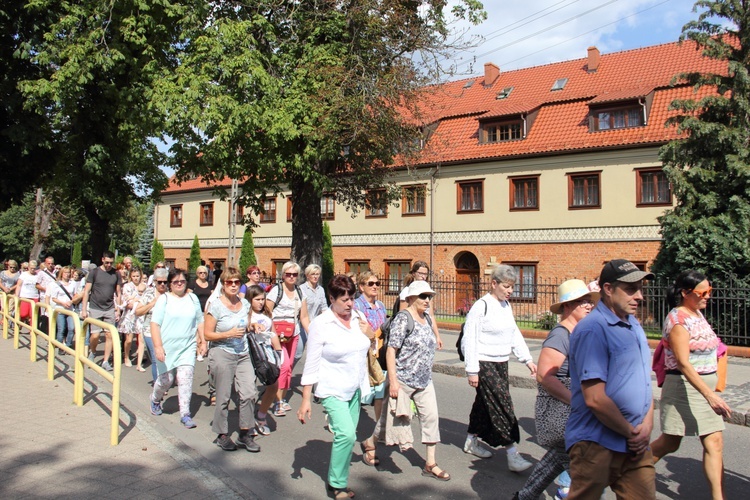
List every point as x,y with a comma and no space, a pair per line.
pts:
569,291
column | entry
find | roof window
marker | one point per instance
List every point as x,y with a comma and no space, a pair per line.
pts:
504,93
559,84
468,84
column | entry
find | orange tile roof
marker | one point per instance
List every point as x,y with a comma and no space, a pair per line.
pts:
562,122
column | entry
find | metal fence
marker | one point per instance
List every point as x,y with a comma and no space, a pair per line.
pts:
727,310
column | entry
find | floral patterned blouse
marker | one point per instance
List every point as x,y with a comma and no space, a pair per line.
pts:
415,351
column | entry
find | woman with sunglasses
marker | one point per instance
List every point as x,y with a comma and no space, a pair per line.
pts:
145,309
368,304
9,277
288,308
689,404
177,332
419,271
409,358
225,326
253,279
490,336
575,302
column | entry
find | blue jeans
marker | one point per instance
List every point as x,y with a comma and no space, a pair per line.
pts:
151,356
65,325
300,345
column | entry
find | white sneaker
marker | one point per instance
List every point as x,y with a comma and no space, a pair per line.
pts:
516,463
199,357
473,447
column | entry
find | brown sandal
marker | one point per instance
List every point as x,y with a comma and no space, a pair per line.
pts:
340,493
429,470
371,460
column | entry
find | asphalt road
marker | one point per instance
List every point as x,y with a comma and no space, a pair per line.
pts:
294,458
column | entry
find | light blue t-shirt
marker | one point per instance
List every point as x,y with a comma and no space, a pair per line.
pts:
607,348
227,320
178,318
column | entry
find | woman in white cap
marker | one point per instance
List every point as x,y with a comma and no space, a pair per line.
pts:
409,358
490,335
574,302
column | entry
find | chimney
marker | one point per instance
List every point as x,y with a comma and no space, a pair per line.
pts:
491,72
594,58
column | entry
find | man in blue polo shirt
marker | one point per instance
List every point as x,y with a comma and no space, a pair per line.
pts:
612,410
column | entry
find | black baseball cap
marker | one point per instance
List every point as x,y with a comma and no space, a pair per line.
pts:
622,270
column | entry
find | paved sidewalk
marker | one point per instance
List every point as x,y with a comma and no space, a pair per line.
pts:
737,394
50,448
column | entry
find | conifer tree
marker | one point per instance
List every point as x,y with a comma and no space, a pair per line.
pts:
77,256
247,254
157,252
327,266
146,240
195,256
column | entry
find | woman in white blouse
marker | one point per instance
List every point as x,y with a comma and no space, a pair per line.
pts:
337,363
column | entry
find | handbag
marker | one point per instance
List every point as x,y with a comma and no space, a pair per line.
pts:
551,416
374,370
266,370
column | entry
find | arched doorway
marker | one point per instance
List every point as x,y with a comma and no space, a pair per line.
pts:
468,284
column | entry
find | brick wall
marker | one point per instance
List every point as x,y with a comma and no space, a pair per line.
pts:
554,260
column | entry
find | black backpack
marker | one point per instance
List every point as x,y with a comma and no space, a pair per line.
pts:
281,294
265,369
461,335
385,330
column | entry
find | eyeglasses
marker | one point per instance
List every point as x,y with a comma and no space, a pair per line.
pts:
291,275
179,282
107,262
202,272
420,273
373,283
160,267
425,296
254,272
703,294
232,282
161,282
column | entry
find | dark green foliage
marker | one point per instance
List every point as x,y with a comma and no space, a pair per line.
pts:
247,254
195,256
157,252
709,228
327,266
77,255
146,238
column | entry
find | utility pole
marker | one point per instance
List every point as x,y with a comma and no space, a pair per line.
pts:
232,244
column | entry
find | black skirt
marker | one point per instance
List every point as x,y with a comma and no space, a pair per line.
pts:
492,417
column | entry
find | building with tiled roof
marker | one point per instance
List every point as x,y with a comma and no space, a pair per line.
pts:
553,169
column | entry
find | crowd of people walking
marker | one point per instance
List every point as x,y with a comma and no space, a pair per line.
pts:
594,412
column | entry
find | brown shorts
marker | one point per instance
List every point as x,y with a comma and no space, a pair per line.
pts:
594,467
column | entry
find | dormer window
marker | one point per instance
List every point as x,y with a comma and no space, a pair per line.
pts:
559,84
501,132
504,93
627,116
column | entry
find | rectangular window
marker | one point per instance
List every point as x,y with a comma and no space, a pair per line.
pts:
525,288
276,266
289,209
376,203
652,187
469,196
357,266
175,216
584,190
524,193
413,200
170,263
239,212
396,271
616,118
269,210
500,132
327,207
207,214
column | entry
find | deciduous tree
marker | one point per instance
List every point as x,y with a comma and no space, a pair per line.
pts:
314,97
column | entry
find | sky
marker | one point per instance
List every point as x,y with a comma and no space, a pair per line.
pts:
534,32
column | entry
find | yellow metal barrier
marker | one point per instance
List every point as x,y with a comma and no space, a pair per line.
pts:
80,360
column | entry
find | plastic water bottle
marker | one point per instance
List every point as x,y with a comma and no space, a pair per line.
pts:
242,324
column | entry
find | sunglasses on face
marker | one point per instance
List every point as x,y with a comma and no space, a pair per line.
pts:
425,296
255,272
161,282
373,283
233,282
179,282
291,275
703,294
202,272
